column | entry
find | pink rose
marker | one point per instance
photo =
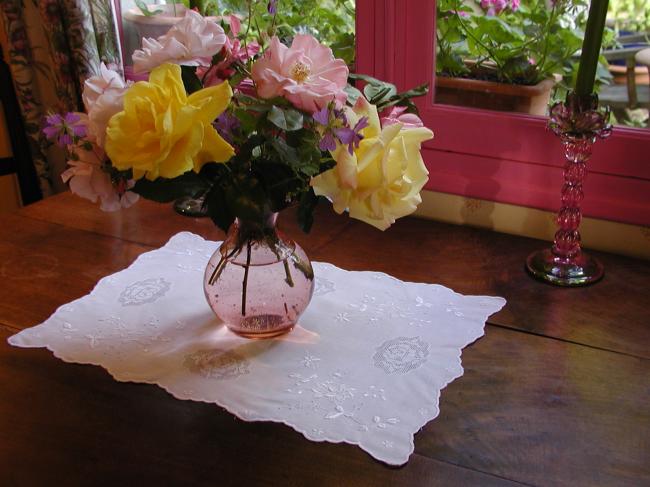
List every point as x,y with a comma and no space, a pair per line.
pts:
88,180
397,115
306,74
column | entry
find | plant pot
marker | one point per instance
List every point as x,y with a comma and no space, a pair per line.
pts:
154,25
619,74
494,96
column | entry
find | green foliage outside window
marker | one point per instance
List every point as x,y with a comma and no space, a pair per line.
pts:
330,21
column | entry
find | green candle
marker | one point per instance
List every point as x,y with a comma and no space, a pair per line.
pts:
591,47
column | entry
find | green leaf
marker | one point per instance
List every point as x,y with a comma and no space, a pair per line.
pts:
191,81
280,183
145,10
246,198
247,120
353,94
375,93
218,209
286,119
364,77
165,190
287,154
308,203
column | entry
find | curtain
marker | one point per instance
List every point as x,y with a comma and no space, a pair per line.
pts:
52,46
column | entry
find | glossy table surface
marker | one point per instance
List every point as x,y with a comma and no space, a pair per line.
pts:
557,392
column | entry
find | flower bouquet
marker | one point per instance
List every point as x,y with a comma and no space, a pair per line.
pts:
255,126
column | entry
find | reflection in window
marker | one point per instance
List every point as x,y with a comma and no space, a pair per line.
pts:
628,55
519,55
507,55
331,21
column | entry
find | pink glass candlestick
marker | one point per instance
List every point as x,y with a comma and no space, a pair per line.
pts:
578,123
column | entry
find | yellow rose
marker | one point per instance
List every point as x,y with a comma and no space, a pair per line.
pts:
162,131
382,179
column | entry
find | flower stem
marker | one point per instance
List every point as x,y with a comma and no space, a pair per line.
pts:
245,283
248,26
220,266
275,15
287,272
477,40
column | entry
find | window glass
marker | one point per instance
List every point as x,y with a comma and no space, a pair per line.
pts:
331,21
520,55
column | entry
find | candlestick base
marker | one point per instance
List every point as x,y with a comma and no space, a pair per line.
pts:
580,270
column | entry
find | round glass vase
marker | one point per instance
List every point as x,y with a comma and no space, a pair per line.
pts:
258,282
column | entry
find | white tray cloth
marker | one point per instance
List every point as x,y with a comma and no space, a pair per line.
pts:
365,366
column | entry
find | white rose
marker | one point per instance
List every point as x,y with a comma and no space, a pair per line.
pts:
102,97
192,42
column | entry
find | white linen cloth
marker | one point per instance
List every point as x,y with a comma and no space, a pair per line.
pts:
365,365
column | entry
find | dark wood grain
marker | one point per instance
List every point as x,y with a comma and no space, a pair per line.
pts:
151,223
613,314
45,265
556,393
468,260
65,424
545,412
534,412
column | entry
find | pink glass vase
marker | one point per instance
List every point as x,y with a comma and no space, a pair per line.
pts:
258,282
578,123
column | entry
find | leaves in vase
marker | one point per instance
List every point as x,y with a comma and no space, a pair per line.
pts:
165,190
280,182
191,81
218,209
246,197
285,119
308,203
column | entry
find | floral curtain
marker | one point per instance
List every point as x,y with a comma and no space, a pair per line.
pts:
52,46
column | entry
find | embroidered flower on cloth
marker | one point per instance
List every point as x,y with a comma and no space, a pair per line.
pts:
401,355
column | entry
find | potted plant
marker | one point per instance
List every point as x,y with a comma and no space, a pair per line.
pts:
505,54
630,22
154,20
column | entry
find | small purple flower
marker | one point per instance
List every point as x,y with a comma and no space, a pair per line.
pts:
227,124
352,136
64,130
327,143
328,118
272,7
322,116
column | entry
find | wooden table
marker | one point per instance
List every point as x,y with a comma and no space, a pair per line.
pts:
556,393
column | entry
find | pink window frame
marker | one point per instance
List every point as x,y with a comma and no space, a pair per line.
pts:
502,157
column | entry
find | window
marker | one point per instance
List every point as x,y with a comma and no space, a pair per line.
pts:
497,156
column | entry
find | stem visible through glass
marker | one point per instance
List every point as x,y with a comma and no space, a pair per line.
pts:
245,283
